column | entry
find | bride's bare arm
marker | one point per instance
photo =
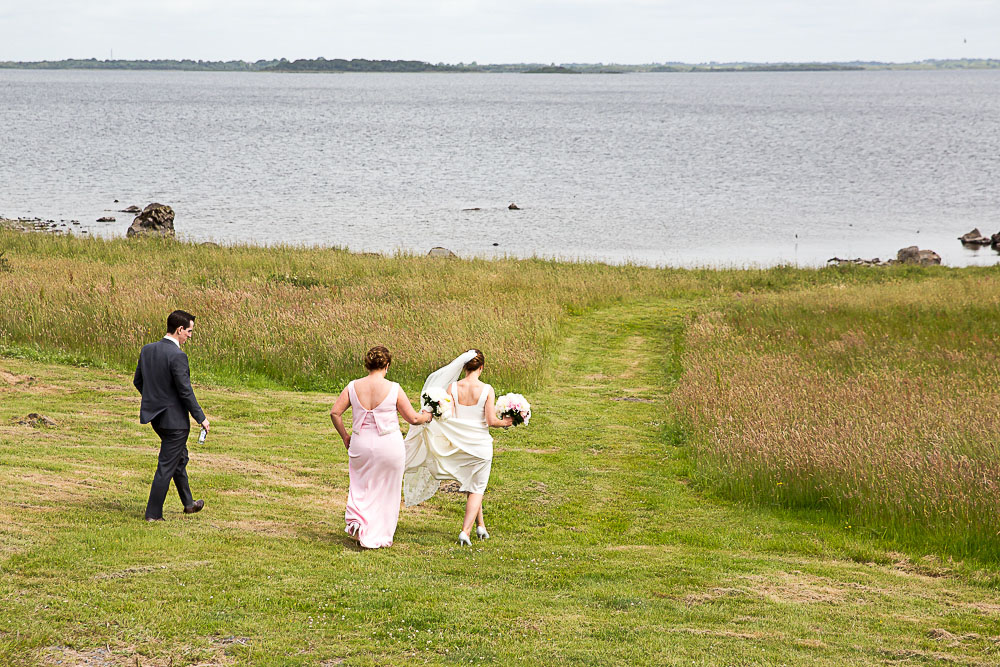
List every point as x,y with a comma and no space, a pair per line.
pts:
336,416
406,410
491,412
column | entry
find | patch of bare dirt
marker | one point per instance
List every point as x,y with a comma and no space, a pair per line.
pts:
943,635
928,567
703,597
99,656
796,587
911,655
106,657
12,379
27,384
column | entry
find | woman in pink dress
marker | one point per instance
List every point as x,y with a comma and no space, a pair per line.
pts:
375,448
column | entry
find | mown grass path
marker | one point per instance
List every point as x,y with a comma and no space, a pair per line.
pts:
602,552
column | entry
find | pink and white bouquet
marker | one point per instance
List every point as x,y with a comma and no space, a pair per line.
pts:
514,406
439,402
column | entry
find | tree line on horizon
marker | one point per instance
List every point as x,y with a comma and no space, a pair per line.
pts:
364,65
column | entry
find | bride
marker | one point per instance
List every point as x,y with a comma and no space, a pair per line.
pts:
458,448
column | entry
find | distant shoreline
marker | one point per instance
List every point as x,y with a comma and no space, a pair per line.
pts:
322,65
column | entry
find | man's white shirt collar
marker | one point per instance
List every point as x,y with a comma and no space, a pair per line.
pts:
174,341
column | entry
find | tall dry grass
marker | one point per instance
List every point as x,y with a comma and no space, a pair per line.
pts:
293,317
878,403
302,317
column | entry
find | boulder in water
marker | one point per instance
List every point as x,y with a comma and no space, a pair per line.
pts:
441,252
974,238
155,220
914,255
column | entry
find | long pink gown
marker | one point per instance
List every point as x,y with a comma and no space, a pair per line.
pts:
376,459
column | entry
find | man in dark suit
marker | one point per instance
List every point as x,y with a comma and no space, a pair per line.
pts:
163,378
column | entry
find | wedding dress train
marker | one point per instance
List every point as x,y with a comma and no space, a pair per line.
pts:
459,448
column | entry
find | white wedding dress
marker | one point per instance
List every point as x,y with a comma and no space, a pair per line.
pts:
458,448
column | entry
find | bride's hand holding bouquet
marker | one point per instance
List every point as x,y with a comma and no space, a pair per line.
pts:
514,407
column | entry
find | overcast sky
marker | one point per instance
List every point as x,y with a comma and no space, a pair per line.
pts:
502,31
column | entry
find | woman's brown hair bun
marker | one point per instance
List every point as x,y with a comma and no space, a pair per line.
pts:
475,362
378,358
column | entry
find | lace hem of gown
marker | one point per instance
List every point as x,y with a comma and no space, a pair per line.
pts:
419,485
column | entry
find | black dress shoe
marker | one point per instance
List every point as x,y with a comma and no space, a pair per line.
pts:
191,509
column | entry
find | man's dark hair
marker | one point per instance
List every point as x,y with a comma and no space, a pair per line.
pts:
178,319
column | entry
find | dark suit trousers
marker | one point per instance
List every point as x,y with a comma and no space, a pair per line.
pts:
172,466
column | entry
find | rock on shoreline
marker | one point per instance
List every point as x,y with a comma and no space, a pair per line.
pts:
909,255
975,238
155,220
914,255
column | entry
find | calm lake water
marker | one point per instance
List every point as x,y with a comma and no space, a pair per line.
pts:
675,169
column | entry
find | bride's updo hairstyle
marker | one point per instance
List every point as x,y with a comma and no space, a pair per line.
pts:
475,362
377,358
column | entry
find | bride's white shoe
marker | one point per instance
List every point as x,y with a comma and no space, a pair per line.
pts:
481,533
463,539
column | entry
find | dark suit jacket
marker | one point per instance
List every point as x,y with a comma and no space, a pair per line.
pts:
163,378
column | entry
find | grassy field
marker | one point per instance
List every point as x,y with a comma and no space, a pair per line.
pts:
712,475
872,401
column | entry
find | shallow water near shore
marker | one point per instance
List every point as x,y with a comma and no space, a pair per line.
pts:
726,169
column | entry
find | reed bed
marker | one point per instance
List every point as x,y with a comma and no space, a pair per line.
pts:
877,403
